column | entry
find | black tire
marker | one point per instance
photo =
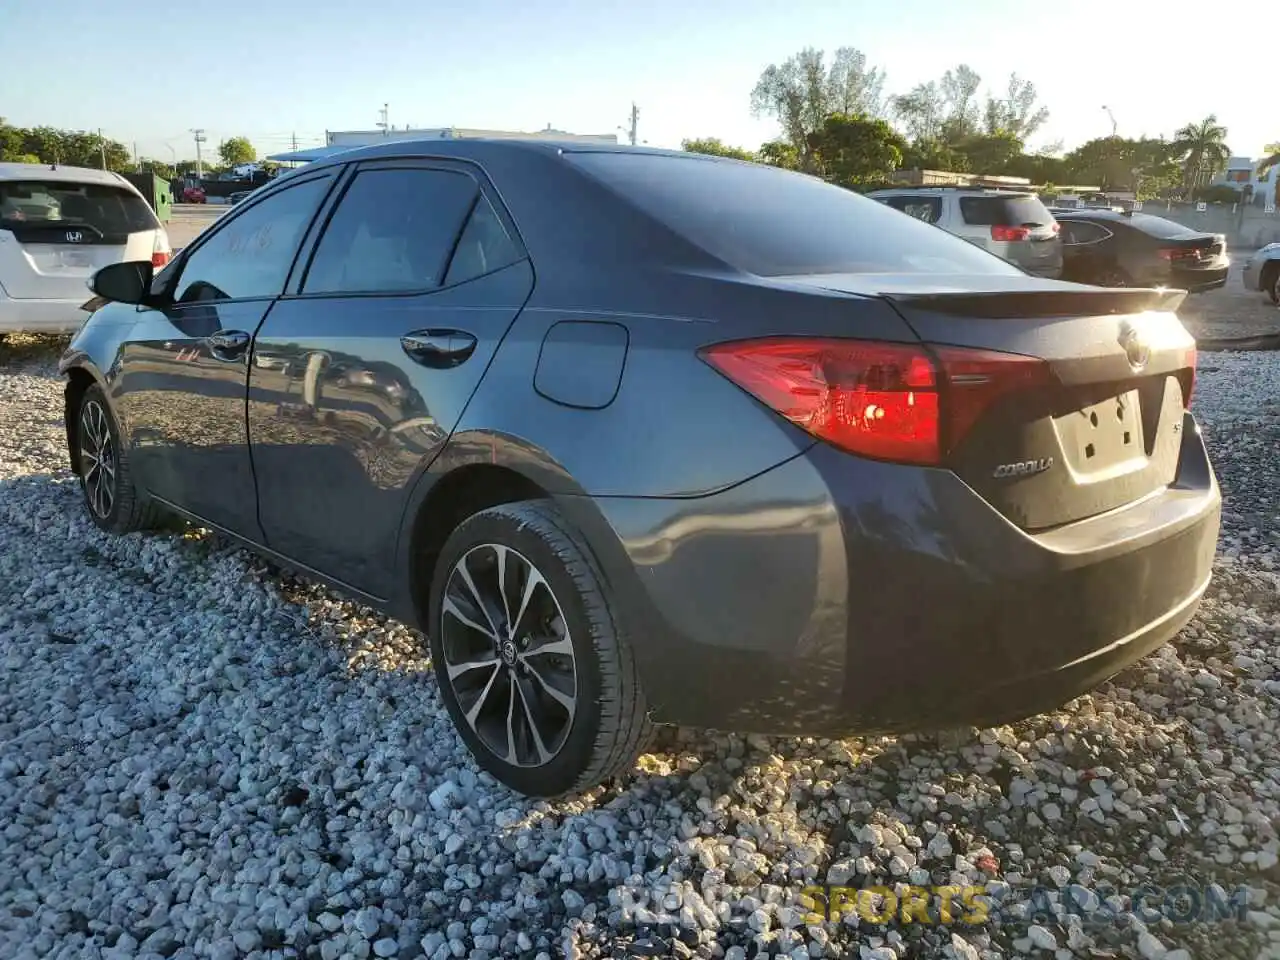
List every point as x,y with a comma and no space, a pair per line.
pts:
1110,275
122,508
1271,281
601,735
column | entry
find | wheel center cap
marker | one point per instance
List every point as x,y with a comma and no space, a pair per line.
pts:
508,652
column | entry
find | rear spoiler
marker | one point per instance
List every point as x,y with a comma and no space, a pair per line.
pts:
1043,304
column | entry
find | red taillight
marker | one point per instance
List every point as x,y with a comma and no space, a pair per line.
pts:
1009,234
159,258
888,401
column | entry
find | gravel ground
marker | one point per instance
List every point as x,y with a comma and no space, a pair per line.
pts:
1232,311
200,757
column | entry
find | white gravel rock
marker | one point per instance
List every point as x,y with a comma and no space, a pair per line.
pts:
201,756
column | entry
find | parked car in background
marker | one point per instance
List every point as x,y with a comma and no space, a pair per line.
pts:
1013,225
664,437
192,194
1262,272
1114,248
58,226
239,195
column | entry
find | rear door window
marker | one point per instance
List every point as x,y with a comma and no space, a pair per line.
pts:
997,211
44,211
928,209
393,232
773,223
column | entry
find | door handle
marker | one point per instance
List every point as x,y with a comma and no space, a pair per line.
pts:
229,343
438,348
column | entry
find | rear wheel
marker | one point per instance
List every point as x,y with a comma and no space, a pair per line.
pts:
115,504
529,654
1110,275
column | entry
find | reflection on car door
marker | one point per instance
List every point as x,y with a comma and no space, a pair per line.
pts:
184,376
360,376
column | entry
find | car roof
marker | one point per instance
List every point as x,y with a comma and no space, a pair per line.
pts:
477,148
45,171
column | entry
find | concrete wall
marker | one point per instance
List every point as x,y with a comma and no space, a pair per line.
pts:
1246,227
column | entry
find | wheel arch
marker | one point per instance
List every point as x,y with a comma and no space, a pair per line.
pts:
475,471
80,377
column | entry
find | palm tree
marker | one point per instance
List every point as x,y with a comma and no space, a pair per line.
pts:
1204,150
1272,158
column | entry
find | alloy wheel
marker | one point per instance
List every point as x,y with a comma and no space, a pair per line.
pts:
97,459
508,655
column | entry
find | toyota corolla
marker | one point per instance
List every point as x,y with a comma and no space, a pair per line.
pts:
642,436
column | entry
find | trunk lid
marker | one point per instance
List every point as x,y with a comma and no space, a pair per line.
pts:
1105,428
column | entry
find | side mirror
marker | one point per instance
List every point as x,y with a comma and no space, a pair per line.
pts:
128,282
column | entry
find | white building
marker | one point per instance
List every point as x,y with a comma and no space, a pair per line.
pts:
1242,172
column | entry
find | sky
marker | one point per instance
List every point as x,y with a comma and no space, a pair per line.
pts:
150,73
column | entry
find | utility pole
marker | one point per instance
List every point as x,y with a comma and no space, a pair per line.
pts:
1113,119
635,120
384,124
137,167
295,141
198,133
102,145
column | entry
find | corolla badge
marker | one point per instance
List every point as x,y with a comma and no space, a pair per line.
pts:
1136,348
1022,468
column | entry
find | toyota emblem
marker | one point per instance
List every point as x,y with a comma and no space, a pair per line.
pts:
74,236
1136,349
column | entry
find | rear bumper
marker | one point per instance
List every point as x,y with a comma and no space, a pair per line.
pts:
833,596
41,316
1198,281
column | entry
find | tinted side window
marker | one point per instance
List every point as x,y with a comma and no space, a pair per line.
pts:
928,209
1005,211
1077,232
775,223
251,254
393,232
484,246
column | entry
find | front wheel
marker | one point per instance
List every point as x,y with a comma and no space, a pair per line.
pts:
531,660
1271,281
114,503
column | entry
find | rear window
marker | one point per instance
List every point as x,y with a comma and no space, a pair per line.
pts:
111,211
1021,211
774,223
1160,227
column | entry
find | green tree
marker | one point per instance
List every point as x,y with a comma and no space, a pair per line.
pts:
856,149
780,153
237,150
1149,166
712,146
1018,114
1272,158
804,90
1203,150
157,167
989,153
934,153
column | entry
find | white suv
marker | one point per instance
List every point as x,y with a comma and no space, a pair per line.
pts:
58,226
1014,225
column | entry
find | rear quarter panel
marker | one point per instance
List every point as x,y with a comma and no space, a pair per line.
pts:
676,427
